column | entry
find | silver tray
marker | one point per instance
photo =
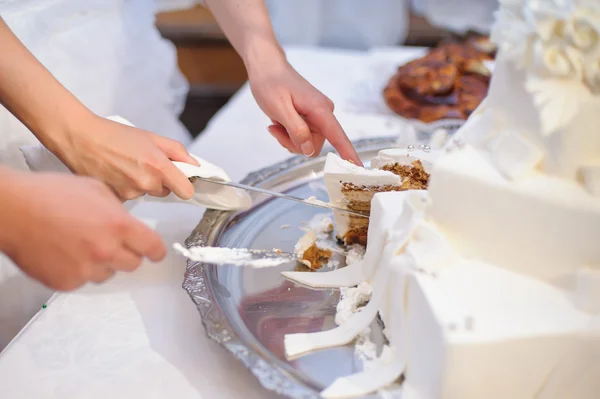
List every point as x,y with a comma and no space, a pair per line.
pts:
249,311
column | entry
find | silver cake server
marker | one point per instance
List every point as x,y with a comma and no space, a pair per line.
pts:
315,203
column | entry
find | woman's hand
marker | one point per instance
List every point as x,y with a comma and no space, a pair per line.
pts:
302,116
67,230
131,161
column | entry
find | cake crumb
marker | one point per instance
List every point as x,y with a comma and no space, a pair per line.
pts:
314,200
314,257
355,254
284,226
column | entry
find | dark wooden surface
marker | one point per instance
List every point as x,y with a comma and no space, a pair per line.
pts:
214,69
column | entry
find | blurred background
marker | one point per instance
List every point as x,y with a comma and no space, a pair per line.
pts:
215,72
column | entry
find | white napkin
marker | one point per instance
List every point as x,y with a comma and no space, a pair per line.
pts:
209,195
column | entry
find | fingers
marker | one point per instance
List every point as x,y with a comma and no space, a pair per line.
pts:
282,137
143,241
174,150
318,141
125,260
175,181
100,274
325,122
297,128
160,192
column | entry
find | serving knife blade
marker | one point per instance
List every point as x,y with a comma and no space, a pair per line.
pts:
315,203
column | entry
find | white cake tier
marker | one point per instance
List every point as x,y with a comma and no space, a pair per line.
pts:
538,225
479,331
520,127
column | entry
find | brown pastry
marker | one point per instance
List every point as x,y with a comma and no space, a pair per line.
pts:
447,83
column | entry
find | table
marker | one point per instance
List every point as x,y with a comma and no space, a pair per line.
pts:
140,335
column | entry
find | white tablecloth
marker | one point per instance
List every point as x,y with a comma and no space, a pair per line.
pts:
140,335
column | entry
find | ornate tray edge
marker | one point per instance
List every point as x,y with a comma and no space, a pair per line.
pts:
216,326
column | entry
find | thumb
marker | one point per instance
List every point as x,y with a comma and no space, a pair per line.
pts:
297,129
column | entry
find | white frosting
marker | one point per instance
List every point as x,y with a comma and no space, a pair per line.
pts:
514,155
321,224
351,299
305,242
386,211
382,256
300,344
539,225
401,156
359,176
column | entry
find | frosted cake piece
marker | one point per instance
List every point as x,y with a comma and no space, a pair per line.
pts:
352,187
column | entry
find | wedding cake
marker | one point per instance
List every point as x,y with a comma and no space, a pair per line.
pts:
488,283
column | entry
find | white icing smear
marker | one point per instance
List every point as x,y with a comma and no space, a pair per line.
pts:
321,224
351,300
355,254
404,157
305,242
229,256
341,170
315,201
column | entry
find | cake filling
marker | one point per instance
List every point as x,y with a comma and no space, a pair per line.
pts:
315,257
358,197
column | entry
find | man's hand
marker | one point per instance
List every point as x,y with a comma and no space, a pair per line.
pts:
65,230
131,161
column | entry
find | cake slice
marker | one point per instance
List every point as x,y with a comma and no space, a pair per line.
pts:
352,187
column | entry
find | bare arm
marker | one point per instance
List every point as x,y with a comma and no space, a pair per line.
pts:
302,116
33,95
130,161
247,25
